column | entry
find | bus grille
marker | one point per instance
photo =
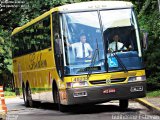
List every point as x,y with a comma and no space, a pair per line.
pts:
98,82
104,81
118,80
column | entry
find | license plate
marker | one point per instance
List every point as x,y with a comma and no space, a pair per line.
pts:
136,88
80,94
110,90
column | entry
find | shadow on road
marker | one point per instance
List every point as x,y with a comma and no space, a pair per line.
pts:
87,108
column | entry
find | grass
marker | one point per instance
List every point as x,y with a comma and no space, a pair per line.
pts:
9,94
153,93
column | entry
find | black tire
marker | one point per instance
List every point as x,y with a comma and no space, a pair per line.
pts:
62,108
28,99
55,94
123,104
29,96
25,96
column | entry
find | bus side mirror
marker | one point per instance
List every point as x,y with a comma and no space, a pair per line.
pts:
145,40
58,44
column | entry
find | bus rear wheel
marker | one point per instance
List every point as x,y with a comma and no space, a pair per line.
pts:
123,104
29,96
25,96
29,101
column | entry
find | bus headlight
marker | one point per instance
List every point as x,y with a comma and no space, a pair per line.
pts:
136,79
80,84
77,84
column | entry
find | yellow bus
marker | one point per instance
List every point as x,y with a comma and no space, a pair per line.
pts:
79,53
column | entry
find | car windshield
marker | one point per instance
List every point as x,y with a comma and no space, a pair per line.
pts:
82,43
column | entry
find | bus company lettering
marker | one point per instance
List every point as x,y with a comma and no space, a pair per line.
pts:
36,61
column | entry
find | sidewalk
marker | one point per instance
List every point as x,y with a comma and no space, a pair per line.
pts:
153,103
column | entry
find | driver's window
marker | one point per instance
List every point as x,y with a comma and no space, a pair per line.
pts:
120,39
116,43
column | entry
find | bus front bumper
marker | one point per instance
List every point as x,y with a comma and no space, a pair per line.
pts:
101,94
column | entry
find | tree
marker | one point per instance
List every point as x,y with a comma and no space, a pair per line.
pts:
5,56
149,18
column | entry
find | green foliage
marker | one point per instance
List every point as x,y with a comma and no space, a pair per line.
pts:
153,93
5,51
149,18
9,94
36,8
5,56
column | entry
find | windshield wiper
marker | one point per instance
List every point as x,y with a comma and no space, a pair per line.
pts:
92,63
119,60
96,52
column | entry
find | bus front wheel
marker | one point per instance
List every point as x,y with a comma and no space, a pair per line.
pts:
62,108
123,104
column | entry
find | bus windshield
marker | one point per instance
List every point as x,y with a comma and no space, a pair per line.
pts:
90,36
83,45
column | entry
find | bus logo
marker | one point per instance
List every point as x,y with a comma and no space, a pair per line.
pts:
108,81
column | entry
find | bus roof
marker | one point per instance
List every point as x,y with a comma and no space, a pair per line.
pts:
82,6
92,5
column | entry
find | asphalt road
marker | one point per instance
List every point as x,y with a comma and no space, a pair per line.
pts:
105,111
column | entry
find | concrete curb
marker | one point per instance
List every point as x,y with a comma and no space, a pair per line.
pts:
149,105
